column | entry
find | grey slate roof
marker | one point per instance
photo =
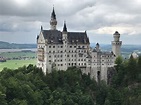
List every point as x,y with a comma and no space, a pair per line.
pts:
78,37
55,36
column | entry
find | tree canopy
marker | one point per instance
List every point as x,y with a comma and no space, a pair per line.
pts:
29,86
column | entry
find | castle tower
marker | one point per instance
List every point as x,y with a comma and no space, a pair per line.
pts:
116,44
65,42
53,21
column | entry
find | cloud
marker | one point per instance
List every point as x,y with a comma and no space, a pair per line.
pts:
98,17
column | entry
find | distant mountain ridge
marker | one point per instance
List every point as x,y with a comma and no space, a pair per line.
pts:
6,45
104,47
124,48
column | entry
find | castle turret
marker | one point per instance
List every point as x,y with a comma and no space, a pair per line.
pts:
97,47
64,33
53,21
116,44
65,42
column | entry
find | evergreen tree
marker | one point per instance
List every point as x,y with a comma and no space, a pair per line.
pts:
132,71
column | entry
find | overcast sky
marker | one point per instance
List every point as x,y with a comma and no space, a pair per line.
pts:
20,20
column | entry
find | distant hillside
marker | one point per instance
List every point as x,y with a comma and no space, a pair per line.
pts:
124,48
6,45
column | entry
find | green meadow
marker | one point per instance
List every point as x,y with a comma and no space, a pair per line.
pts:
14,64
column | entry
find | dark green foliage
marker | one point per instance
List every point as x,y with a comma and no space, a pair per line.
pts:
126,83
131,70
29,86
119,76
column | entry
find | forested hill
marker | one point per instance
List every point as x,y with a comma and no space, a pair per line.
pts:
6,45
29,86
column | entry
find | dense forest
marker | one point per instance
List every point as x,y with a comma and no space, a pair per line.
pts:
29,86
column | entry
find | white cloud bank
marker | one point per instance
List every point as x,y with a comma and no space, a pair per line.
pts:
21,19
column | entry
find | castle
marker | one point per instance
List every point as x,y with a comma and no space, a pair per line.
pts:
62,49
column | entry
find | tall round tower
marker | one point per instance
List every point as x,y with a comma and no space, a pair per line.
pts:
116,44
53,21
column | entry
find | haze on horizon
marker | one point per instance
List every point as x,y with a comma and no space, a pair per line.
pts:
20,20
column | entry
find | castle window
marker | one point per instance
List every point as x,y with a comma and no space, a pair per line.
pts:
53,46
70,46
74,46
49,46
67,55
49,51
49,60
61,46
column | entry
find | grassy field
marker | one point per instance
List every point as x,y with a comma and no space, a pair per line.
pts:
13,64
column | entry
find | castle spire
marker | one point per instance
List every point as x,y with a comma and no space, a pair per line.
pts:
53,21
41,27
53,15
65,27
